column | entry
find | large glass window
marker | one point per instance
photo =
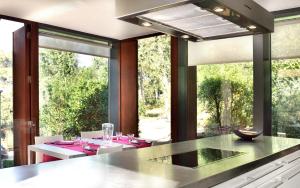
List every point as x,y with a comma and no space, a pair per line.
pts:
224,85
286,77
73,91
154,87
225,98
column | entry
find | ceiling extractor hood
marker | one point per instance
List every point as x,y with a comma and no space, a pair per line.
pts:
198,20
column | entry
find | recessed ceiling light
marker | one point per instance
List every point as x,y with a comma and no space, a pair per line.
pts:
252,27
218,9
185,36
146,24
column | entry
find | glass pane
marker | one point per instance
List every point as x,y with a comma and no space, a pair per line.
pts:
225,98
286,79
73,91
154,85
6,91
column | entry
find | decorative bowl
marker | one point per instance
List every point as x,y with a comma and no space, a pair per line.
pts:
247,134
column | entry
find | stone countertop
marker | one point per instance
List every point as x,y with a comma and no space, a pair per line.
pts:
133,169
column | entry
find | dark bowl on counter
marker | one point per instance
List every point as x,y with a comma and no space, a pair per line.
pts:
247,134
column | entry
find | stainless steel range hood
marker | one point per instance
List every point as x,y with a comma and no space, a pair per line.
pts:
198,20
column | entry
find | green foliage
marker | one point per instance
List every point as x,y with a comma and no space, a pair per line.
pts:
285,94
6,96
58,63
154,73
74,98
241,104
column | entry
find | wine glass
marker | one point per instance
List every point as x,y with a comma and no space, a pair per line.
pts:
130,137
118,135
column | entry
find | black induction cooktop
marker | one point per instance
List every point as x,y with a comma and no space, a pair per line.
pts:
197,158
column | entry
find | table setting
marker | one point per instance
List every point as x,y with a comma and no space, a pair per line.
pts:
91,146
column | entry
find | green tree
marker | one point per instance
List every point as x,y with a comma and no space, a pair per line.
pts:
211,95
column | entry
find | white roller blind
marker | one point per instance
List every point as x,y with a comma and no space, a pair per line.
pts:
239,49
73,44
286,39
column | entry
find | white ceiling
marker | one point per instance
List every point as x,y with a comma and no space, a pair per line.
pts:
93,16
90,16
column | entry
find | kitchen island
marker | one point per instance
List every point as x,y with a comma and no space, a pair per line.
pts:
203,162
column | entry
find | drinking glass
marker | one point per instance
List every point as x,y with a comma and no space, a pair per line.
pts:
118,135
83,142
130,137
108,129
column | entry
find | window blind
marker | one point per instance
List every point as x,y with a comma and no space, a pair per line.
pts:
60,41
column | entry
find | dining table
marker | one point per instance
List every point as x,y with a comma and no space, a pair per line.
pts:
61,149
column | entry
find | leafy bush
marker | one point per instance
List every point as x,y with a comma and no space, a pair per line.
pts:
8,163
292,131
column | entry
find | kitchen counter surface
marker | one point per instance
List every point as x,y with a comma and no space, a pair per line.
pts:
136,168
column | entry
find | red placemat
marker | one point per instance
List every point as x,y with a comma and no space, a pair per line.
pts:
75,147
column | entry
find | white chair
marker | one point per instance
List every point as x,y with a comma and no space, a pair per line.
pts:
161,142
92,134
112,149
42,140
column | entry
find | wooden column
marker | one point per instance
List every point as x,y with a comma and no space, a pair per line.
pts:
183,93
129,86
34,85
25,90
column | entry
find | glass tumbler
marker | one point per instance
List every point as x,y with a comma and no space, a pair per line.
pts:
108,130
